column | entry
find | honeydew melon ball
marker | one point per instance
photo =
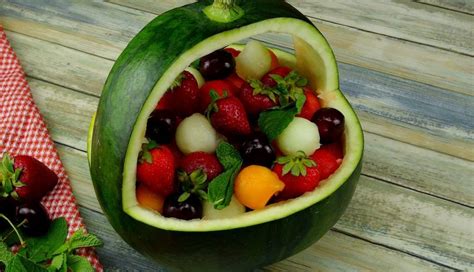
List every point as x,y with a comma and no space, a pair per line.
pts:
195,133
300,135
234,209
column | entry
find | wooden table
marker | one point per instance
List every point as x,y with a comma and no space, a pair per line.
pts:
407,68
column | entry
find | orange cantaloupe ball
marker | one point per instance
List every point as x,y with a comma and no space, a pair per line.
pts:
255,185
149,199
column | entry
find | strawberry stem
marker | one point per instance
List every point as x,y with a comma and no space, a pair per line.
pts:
224,11
12,231
22,242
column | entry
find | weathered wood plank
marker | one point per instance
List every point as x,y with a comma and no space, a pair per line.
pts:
68,113
95,28
380,212
406,20
387,105
466,6
334,252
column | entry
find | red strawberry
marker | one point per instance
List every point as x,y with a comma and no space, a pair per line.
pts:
299,173
183,97
311,105
258,99
236,82
25,178
281,71
156,169
219,86
228,116
208,163
328,158
234,52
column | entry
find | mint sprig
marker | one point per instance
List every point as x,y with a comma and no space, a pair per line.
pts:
272,122
221,188
50,252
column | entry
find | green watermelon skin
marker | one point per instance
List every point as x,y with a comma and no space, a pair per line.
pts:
147,57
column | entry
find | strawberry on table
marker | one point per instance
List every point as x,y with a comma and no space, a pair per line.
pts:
221,87
328,158
299,173
183,96
25,178
156,169
257,98
228,116
311,105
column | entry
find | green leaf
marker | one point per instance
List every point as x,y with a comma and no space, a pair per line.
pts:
184,196
5,254
81,239
42,248
222,187
227,154
273,122
20,264
58,263
79,264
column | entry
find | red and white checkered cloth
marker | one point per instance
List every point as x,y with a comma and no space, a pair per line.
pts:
23,131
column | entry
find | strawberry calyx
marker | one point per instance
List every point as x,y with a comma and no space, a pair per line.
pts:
260,89
145,154
9,177
289,87
194,183
177,81
296,164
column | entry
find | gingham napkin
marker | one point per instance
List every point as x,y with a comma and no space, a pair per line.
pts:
23,131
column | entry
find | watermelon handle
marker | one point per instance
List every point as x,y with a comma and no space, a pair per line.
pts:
224,11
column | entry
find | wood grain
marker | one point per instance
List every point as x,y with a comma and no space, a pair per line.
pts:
466,6
94,28
386,109
336,251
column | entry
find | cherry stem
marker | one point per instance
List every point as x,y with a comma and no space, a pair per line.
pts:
14,228
12,231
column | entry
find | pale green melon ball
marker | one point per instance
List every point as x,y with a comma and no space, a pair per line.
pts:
195,133
300,135
234,209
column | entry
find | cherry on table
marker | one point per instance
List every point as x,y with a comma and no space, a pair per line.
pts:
330,124
36,219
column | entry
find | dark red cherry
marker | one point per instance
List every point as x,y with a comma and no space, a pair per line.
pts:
330,124
189,209
257,150
36,219
217,65
161,126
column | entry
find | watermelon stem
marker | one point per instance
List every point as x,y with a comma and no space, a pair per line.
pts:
223,11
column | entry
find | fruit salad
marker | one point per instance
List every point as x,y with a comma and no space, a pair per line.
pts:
237,131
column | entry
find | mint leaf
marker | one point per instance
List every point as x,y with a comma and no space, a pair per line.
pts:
42,248
82,239
78,264
227,154
58,263
5,254
222,187
20,264
273,122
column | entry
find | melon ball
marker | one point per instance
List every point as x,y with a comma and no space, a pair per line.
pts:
234,209
300,135
195,133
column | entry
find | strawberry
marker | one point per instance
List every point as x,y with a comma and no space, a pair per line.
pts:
209,164
25,178
328,158
311,105
228,116
299,173
234,52
256,98
156,169
281,71
236,82
221,87
183,96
